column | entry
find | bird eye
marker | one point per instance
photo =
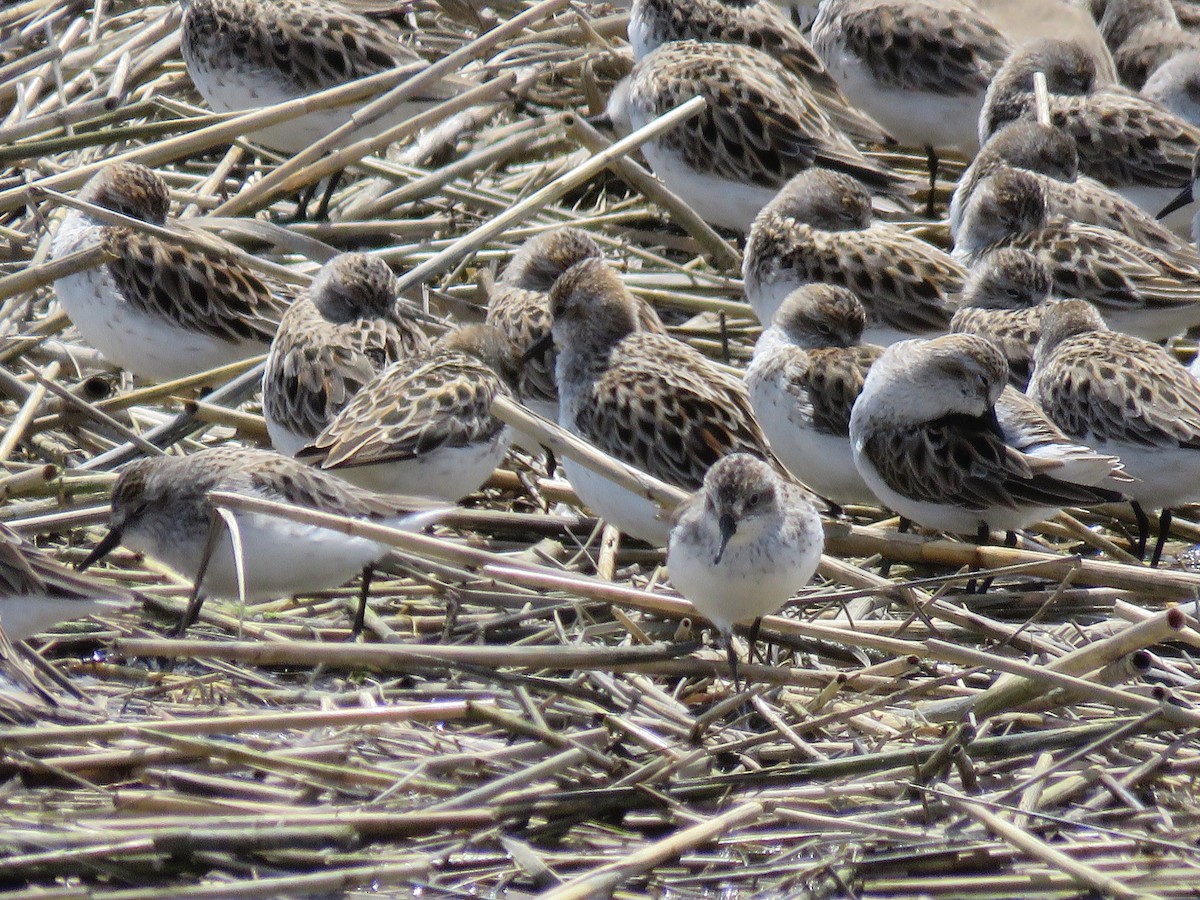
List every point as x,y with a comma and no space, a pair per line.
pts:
1013,292
823,328
754,498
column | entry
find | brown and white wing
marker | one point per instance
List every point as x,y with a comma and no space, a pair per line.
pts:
408,410
673,418
1125,139
202,292
941,48
965,461
1141,396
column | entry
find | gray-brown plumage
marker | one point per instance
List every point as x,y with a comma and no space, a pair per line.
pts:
1003,302
819,228
331,342
424,427
751,23
1137,290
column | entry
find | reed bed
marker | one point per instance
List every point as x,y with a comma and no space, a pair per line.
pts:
533,711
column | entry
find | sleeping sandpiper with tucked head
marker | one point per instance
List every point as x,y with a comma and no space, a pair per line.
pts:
249,54
424,426
1050,155
918,67
761,126
743,545
819,228
928,442
1004,300
1124,396
1136,289
519,305
158,309
644,398
807,370
1125,141
333,340
37,592
161,507
752,23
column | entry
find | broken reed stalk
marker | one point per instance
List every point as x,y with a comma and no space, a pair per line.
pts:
602,881
36,276
1027,843
1013,691
233,724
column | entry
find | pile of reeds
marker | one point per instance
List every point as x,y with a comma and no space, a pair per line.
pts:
533,711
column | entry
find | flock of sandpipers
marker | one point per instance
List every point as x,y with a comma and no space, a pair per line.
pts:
973,391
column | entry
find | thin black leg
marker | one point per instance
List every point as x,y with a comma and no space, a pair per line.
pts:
330,186
197,599
731,654
983,537
932,159
368,573
305,198
1143,524
752,637
903,528
1164,530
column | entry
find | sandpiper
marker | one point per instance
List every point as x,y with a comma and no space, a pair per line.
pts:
753,23
161,507
762,125
158,309
333,340
519,305
1131,144
820,228
743,545
1138,290
918,67
808,368
424,427
1125,396
1004,301
644,398
928,442
249,54
1049,154
37,592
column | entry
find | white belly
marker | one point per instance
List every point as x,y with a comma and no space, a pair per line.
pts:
1166,476
766,295
748,582
448,473
144,344
1155,324
717,201
630,513
147,345
914,118
229,90
284,439
281,558
26,615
